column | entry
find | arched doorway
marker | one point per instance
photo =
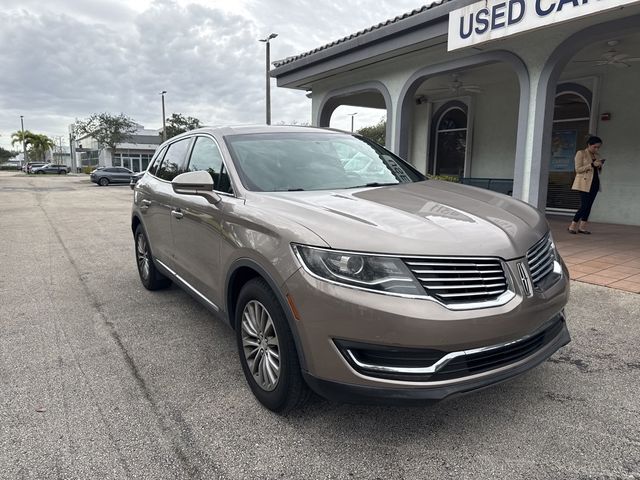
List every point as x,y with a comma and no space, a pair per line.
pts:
571,126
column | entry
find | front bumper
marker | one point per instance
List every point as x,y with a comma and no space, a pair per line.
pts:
350,393
331,314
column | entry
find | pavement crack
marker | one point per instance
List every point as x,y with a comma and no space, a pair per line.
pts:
178,449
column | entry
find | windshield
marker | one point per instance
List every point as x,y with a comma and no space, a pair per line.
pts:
280,162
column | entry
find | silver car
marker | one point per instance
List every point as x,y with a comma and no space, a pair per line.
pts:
344,270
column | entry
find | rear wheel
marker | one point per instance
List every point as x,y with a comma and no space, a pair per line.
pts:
150,277
267,350
103,182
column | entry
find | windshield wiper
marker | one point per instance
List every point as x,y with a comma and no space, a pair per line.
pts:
295,190
375,184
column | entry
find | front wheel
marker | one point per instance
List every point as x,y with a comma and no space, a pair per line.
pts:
267,350
103,182
150,277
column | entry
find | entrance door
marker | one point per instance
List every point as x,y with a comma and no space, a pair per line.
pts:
571,119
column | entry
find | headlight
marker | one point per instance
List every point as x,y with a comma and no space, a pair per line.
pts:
369,272
557,268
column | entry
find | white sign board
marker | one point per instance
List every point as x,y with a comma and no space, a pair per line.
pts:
492,19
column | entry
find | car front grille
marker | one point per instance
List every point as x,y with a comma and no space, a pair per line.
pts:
459,280
430,365
540,259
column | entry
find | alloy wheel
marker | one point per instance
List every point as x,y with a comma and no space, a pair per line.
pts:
260,345
142,254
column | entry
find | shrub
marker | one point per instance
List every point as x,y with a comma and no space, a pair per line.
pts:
446,178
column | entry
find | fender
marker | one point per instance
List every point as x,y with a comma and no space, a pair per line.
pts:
229,307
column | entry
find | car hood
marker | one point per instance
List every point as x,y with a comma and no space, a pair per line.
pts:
425,218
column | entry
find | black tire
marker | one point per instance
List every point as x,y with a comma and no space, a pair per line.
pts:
39,172
289,391
150,277
103,182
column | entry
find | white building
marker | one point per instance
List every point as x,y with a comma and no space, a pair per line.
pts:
497,89
134,154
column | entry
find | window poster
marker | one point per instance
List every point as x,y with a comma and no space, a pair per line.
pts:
563,150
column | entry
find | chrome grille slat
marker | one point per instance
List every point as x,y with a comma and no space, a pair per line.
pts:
420,272
540,259
470,294
473,279
448,264
457,281
459,287
540,275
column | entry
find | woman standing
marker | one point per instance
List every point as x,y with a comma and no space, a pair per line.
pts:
587,182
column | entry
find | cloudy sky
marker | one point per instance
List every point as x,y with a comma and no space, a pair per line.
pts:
65,59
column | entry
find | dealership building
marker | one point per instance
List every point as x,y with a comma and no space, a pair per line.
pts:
497,92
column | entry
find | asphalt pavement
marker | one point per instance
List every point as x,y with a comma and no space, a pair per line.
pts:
100,378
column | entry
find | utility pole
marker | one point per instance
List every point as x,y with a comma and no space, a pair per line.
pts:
352,115
164,125
267,77
24,145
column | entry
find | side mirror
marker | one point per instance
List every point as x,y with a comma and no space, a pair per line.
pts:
195,183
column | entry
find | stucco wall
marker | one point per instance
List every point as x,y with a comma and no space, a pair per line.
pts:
495,124
619,200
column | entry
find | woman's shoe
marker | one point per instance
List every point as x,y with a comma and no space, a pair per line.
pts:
573,228
582,228
573,232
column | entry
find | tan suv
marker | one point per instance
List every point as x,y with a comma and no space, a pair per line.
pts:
342,268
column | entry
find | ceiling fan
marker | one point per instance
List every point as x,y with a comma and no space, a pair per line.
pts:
456,86
612,57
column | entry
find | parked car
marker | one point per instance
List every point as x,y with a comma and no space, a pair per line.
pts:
103,176
28,166
51,168
363,284
134,179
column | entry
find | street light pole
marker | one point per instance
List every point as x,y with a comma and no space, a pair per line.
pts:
352,115
24,145
164,125
267,78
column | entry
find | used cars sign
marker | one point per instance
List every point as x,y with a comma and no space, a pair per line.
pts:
492,19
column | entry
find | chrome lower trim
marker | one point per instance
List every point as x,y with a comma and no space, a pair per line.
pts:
444,360
188,285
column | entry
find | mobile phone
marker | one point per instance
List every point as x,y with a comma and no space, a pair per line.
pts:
602,160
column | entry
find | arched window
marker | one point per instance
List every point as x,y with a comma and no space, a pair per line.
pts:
450,140
571,122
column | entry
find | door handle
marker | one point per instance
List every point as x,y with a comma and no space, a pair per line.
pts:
177,213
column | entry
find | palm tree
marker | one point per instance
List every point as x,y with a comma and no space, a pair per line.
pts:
37,144
41,144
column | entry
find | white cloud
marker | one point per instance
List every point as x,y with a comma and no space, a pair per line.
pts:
66,59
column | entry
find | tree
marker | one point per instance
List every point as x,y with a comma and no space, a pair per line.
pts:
177,124
377,132
40,145
36,144
108,130
6,154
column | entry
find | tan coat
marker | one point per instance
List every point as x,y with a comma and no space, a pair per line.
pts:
584,170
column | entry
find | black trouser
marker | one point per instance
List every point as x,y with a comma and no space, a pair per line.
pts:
586,202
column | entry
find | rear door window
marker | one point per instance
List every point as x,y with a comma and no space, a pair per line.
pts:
174,160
